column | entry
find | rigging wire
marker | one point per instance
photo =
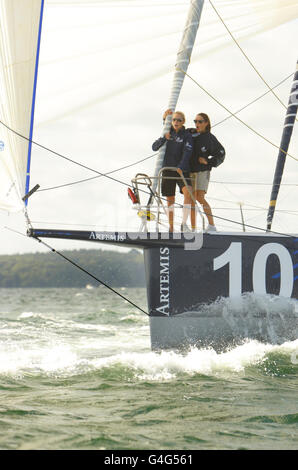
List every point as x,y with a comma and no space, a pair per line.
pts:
254,101
151,156
246,56
54,152
238,119
82,269
122,182
140,161
98,176
143,191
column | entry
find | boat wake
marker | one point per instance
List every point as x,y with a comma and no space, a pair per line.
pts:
266,318
56,344
169,365
248,304
64,360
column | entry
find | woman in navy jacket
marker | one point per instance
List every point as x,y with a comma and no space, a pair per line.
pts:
207,154
178,153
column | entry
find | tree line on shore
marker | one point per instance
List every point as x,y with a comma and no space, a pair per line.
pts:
50,270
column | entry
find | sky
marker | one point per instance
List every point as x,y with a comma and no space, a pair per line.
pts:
104,81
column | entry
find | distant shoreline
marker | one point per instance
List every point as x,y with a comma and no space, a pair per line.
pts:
47,270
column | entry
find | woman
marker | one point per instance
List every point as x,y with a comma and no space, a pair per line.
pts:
178,153
207,154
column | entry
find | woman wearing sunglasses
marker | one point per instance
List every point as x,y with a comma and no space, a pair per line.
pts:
178,153
207,154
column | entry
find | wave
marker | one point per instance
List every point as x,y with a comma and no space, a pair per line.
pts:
169,365
248,304
66,360
116,343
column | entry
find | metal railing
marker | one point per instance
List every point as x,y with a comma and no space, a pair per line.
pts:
145,211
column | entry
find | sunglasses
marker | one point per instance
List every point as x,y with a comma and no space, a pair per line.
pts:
176,119
200,121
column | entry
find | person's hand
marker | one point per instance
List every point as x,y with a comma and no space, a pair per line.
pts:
179,171
166,113
168,136
203,160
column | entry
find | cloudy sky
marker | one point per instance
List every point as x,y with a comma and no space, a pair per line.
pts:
104,81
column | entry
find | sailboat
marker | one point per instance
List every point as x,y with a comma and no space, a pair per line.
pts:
189,276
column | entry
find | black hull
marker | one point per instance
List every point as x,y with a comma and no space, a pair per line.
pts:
215,292
179,281
221,330
224,293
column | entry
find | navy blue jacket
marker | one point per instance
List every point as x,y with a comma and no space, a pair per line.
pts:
178,149
205,145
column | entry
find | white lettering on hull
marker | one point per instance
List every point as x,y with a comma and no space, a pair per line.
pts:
102,236
164,281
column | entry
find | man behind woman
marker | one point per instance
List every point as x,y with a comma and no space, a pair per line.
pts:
206,153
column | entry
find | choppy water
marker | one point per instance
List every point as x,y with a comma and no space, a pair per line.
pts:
77,372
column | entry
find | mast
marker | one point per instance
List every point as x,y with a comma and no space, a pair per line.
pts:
183,59
284,146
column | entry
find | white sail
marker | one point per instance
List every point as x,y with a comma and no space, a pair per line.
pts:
114,47
105,55
19,41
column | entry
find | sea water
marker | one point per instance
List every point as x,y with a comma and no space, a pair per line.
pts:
77,372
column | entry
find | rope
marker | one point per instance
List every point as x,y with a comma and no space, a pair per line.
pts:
254,101
127,185
95,177
153,155
144,191
82,269
67,158
139,161
240,120
246,57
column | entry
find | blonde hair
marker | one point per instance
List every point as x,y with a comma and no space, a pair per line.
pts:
181,114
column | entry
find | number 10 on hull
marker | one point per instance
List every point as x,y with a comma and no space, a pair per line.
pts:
233,257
